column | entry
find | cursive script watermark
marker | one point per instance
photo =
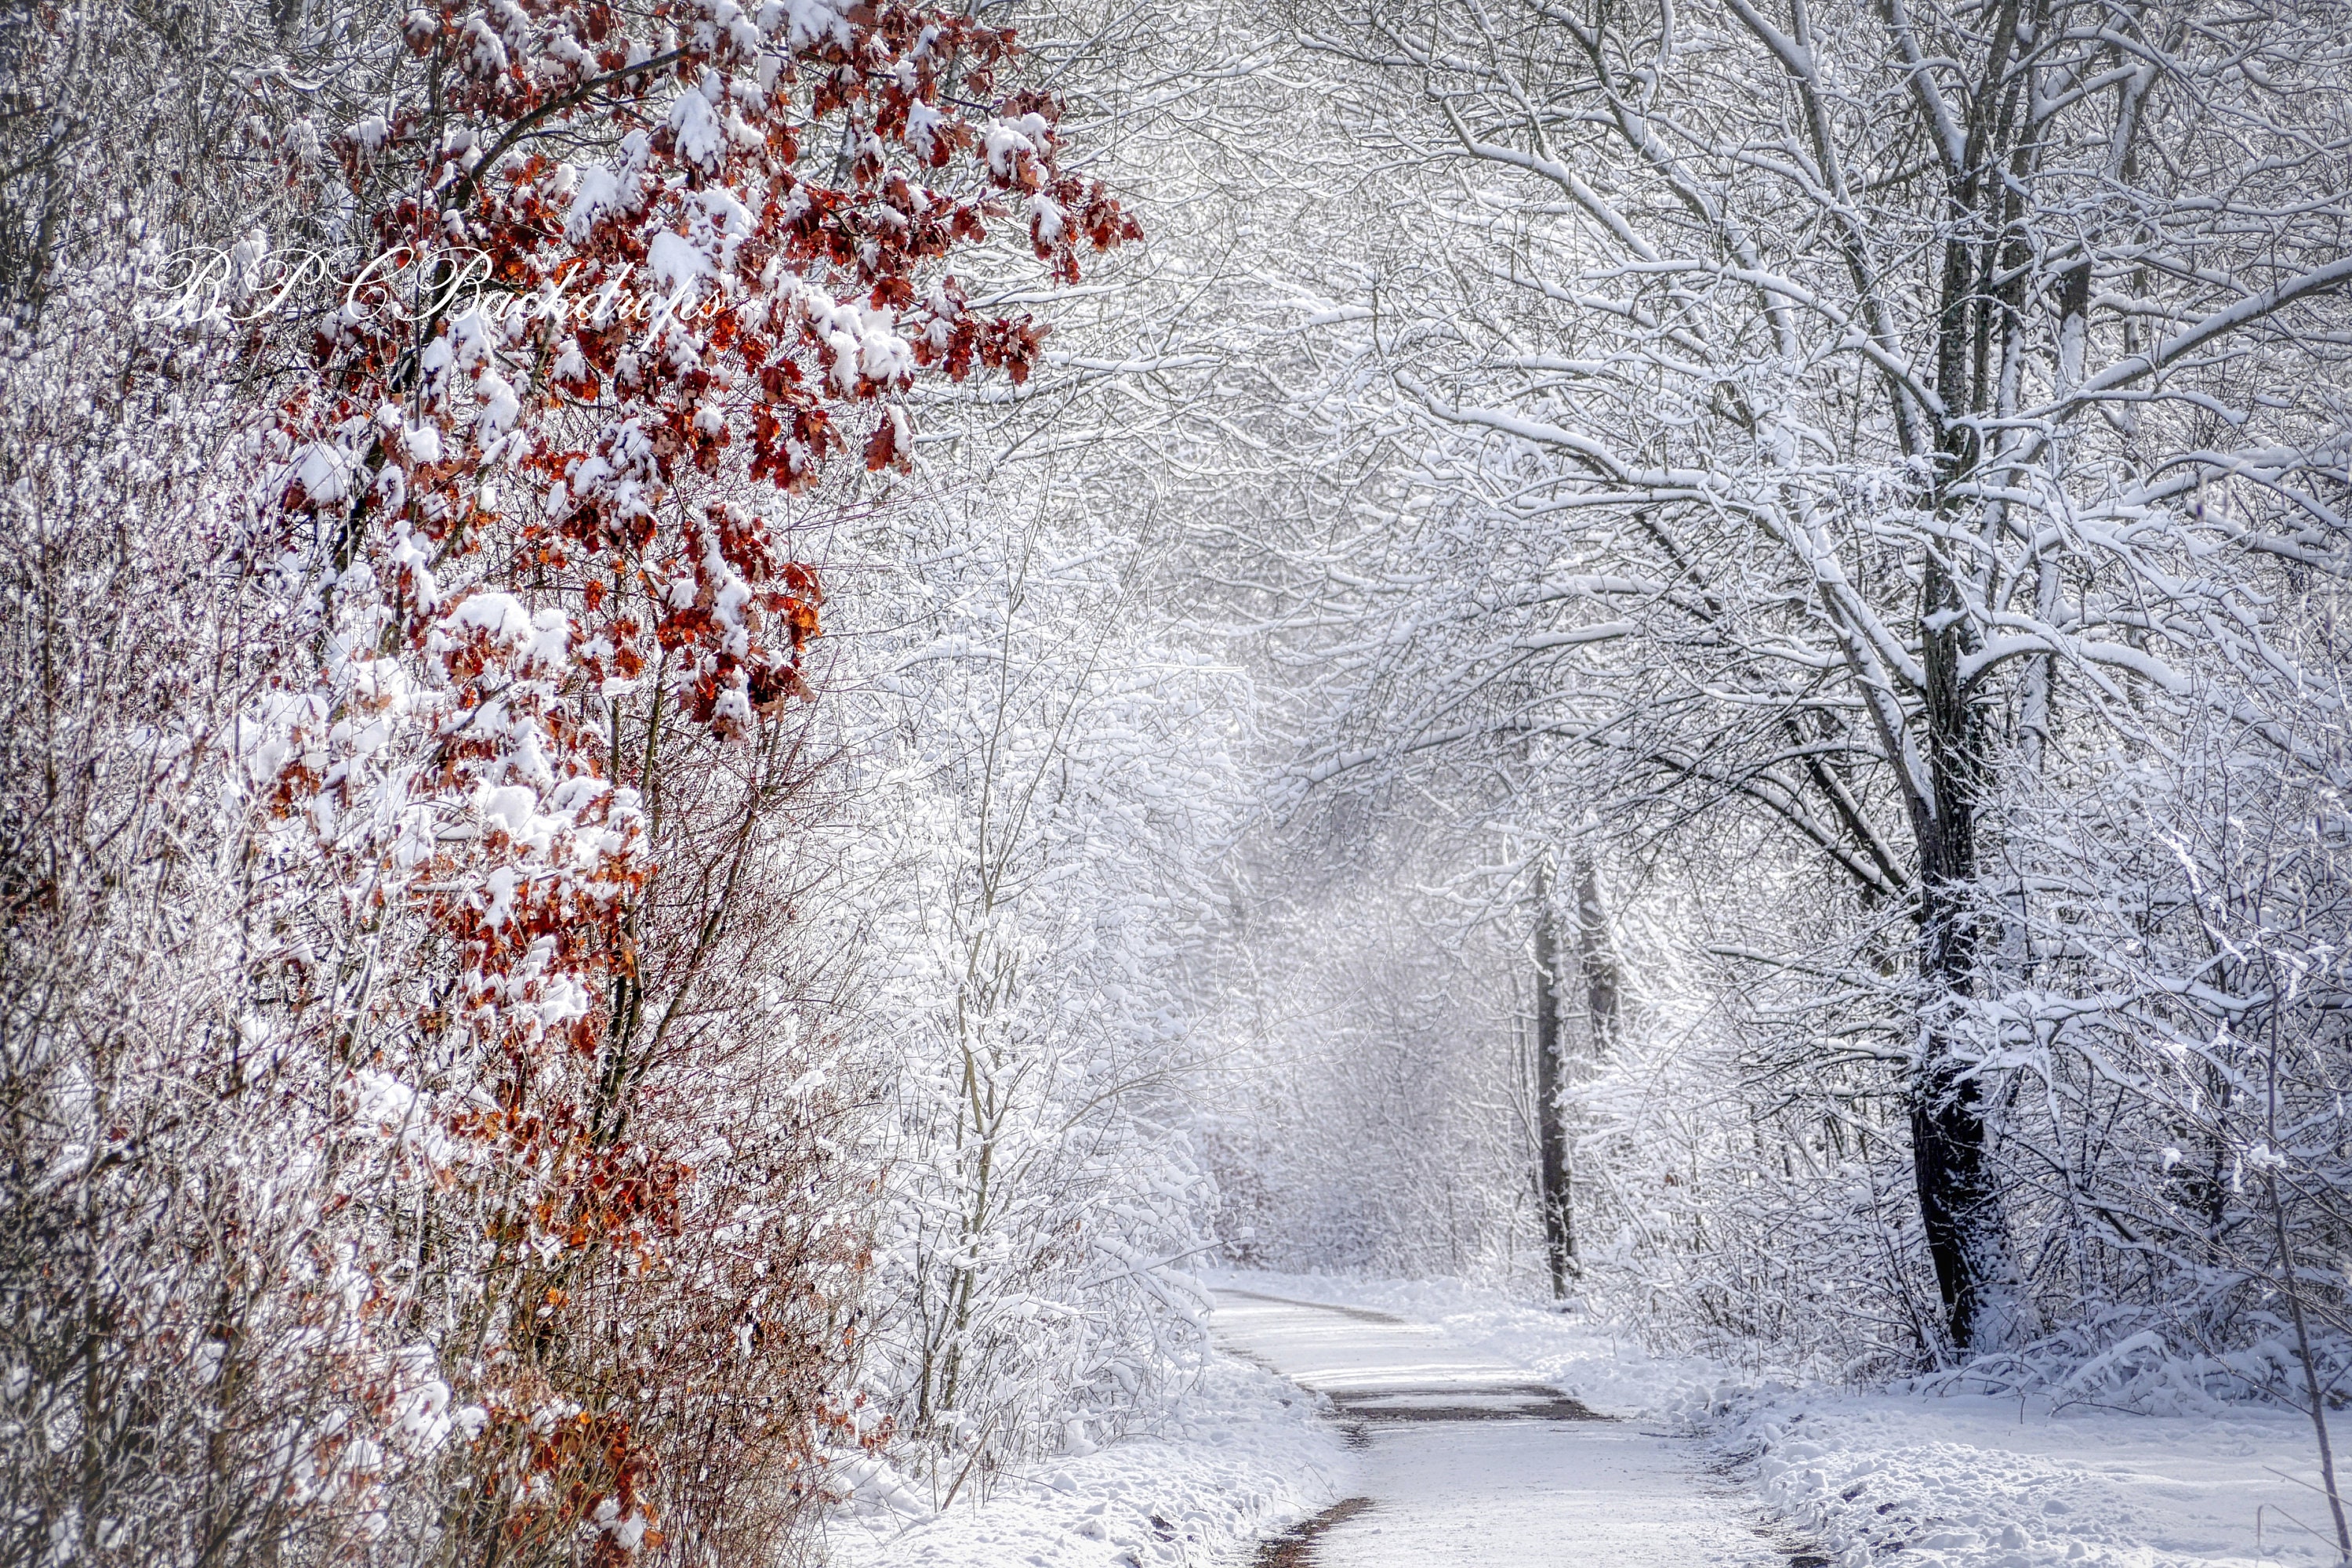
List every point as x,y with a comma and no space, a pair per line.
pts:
244,285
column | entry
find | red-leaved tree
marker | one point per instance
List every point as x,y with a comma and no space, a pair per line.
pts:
632,277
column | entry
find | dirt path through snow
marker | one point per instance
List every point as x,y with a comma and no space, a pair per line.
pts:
1468,1463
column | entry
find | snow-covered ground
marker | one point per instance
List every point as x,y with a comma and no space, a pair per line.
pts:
1706,1456
1240,1455
1466,1461
1914,1480
1972,1482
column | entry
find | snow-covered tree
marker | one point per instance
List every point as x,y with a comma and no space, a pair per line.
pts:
431,1150
1828,412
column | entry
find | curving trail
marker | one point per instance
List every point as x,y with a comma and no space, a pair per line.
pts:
1466,1462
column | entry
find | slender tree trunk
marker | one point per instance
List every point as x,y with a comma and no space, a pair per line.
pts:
1604,987
1552,1167
2291,1285
2313,1391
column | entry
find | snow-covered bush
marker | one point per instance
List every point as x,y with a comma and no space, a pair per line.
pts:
1046,782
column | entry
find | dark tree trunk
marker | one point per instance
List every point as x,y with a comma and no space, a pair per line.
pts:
1959,1201
1552,1168
1603,987
1960,1205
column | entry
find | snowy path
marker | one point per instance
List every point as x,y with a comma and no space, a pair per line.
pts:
1469,1463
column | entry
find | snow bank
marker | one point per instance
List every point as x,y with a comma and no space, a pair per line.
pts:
1239,1456
1973,1481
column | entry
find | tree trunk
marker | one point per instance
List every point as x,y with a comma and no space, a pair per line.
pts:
1603,986
1960,1207
1960,1203
1552,1166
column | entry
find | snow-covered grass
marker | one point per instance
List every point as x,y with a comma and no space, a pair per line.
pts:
1916,1479
1238,1455
1970,1481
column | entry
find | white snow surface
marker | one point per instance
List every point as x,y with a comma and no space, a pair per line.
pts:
1708,1465
1911,1480
1509,1486
1980,1482
1239,1454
